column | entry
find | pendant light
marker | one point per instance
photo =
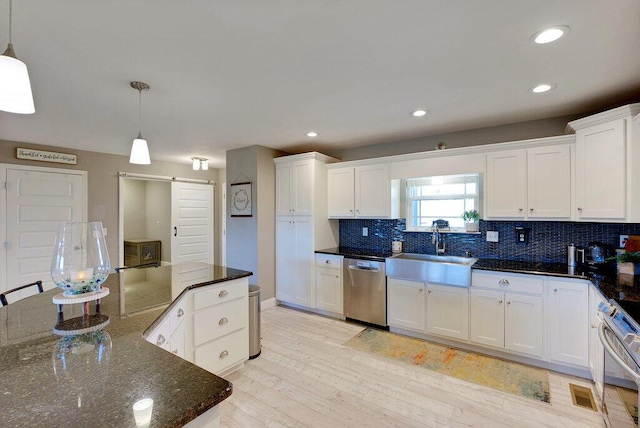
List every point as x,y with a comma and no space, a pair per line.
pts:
139,149
15,86
200,163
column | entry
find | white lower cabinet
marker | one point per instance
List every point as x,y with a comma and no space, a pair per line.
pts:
406,304
208,326
568,327
487,317
507,311
329,283
448,311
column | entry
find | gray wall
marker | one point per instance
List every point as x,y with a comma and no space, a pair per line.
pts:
251,240
103,181
496,134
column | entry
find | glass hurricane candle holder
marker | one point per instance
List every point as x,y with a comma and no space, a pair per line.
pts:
80,260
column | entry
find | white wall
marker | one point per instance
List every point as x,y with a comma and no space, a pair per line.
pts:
135,209
158,213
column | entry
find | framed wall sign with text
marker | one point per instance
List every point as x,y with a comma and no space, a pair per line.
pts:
241,200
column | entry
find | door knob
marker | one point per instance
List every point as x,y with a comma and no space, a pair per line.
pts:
175,231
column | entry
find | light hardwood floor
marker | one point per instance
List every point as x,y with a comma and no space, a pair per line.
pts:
305,377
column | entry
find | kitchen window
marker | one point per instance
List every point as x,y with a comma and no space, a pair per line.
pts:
443,197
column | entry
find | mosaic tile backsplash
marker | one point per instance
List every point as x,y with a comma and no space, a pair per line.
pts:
547,240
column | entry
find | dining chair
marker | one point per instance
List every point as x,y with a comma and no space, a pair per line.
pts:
3,296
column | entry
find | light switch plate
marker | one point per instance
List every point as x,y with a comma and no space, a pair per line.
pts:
365,231
492,236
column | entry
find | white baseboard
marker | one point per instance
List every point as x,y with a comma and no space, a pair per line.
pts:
267,304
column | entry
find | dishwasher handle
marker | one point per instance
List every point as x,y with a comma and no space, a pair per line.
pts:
365,268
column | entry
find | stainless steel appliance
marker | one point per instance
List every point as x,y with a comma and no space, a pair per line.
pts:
365,291
597,253
620,336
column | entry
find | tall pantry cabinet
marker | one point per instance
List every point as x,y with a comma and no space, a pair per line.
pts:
302,225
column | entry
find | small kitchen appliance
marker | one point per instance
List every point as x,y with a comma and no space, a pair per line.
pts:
597,254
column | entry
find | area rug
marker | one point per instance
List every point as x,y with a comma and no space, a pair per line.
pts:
519,379
630,399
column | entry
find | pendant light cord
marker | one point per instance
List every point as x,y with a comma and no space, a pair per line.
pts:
139,111
10,18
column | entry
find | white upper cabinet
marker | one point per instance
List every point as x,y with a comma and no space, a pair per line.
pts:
294,190
506,188
601,171
607,152
532,183
549,182
361,192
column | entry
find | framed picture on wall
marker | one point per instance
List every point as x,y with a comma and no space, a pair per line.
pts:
241,200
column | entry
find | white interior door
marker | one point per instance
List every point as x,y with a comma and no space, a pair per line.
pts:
37,200
192,222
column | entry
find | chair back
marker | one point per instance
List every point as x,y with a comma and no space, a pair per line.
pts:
20,293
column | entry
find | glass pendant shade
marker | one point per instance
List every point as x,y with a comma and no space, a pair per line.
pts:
196,164
80,259
15,86
205,165
140,152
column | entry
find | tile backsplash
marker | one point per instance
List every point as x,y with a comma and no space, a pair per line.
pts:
547,240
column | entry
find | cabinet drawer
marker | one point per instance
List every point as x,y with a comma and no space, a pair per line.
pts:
219,354
508,282
223,293
218,320
328,261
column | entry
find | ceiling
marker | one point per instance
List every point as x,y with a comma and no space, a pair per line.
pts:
235,73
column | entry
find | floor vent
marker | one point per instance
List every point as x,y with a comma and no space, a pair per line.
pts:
582,397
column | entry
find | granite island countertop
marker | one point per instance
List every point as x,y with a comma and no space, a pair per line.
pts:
39,387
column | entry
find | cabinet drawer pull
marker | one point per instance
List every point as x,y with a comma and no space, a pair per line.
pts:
499,301
224,354
180,312
223,293
223,321
508,302
530,209
175,352
428,291
555,290
503,282
579,208
328,262
161,340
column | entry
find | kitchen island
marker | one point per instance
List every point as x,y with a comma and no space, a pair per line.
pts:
108,369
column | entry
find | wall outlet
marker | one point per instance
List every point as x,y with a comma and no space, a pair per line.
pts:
623,240
492,236
365,231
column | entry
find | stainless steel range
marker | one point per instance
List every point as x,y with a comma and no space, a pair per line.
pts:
620,336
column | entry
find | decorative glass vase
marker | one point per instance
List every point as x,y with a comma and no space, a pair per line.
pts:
80,259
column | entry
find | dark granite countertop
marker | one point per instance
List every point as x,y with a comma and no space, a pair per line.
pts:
96,384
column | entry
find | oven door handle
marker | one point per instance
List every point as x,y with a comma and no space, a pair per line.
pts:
609,348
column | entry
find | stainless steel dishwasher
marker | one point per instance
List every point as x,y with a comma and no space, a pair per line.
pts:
365,291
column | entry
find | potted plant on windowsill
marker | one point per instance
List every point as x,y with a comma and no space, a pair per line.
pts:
471,220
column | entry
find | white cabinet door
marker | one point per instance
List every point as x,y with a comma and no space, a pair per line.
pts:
506,184
523,324
372,191
341,192
601,171
549,182
448,311
406,304
568,322
294,188
284,259
295,260
487,317
329,289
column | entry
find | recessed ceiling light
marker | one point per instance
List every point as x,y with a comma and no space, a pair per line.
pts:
418,113
544,87
550,34
312,134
